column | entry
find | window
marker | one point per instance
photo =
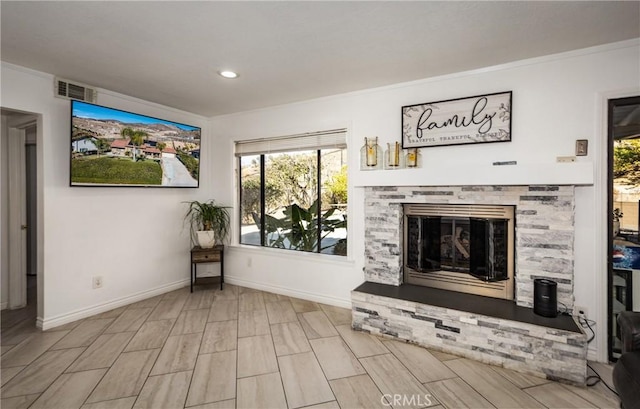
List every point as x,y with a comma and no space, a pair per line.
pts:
293,192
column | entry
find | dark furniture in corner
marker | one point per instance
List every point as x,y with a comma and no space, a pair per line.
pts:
199,255
626,372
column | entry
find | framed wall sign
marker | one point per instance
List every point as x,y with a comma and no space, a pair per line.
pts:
483,118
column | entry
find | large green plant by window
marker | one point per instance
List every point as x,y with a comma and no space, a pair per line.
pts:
298,228
295,200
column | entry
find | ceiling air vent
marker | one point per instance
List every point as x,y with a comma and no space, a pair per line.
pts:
73,90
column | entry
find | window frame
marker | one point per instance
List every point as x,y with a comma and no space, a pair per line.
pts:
262,227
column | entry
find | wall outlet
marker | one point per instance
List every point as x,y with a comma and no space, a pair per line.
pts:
97,282
565,159
580,311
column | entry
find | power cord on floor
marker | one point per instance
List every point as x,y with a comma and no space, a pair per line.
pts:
593,380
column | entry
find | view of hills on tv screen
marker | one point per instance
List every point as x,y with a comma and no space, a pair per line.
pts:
110,147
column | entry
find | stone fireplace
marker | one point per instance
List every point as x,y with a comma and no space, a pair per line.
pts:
502,332
544,231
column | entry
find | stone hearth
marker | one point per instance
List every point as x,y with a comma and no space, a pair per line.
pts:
520,341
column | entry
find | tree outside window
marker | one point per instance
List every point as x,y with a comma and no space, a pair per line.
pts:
295,200
626,185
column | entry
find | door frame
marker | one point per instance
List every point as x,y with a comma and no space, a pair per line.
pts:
17,219
600,279
17,208
611,104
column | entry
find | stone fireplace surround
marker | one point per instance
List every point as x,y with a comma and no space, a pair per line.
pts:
544,249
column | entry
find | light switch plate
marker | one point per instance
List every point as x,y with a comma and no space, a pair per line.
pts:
582,147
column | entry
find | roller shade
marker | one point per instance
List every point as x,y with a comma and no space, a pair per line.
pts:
333,139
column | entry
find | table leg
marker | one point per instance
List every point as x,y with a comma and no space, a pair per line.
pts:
221,269
192,276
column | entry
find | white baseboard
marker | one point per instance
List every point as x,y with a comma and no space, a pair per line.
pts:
52,322
290,292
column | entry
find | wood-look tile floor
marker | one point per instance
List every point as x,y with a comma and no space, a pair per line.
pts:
250,349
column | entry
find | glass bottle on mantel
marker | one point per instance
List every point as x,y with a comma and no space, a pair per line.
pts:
370,154
394,159
413,158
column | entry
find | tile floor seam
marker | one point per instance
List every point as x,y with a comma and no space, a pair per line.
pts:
607,393
522,389
465,382
151,367
57,377
235,390
260,374
470,386
516,386
355,376
16,374
186,397
26,341
284,392
405,367
94,387
321,368
534,398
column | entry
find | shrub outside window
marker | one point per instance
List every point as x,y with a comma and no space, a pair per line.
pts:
295,200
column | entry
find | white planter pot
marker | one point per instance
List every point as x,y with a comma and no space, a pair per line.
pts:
206,239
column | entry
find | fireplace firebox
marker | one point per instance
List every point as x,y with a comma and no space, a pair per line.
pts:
460,247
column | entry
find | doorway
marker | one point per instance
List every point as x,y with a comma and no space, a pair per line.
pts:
19,220
624,214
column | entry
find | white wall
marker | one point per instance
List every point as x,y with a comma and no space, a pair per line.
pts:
556,100
133,237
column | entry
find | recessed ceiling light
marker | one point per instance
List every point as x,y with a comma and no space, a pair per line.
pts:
228,74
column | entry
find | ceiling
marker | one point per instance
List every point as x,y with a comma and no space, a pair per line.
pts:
170,52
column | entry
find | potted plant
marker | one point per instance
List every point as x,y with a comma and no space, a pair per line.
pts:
617,215
208,222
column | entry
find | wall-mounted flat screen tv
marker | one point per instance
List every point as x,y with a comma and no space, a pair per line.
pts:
110,147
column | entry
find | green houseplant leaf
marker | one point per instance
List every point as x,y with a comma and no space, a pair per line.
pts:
208,216
298,228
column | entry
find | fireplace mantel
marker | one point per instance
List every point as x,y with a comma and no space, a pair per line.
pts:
572,173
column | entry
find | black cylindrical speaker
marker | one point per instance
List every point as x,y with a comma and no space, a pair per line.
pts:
545,297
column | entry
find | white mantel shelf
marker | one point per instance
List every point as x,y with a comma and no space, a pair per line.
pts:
572,173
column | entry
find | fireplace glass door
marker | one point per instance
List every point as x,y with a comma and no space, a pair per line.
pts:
469,245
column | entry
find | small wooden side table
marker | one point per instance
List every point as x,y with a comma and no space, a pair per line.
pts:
199,255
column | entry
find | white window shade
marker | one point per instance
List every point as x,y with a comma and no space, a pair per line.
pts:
333,139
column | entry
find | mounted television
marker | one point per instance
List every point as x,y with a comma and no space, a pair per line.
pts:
110,147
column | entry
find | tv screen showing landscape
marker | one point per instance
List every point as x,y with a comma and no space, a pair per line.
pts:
110,147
